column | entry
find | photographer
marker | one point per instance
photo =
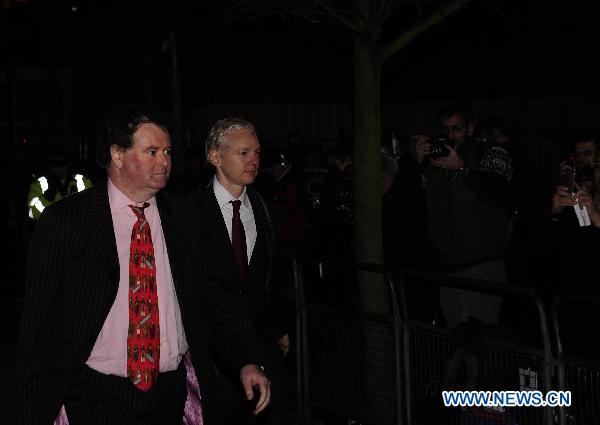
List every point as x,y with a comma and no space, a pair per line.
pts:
338,204
585,149
574,254
563,197
467,184
580,165
579,188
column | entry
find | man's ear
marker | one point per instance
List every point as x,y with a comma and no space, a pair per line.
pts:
214,157
116,155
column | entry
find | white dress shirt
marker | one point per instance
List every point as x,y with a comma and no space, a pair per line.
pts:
246,214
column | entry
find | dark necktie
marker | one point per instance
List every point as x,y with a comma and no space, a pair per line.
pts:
238,240
143,336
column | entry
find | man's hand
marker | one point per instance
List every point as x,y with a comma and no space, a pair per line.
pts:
252,377
422,148
451,162
562,198
565,166
284,343
586,200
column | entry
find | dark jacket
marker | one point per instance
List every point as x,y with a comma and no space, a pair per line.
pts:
467,213
71,283
573,252
255,293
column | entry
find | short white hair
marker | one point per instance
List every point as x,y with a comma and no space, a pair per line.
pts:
216,136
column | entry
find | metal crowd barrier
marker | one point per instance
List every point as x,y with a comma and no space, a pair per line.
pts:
578,372
349,361
508,365
389,369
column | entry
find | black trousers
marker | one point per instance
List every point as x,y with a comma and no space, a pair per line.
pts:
235,409
98,399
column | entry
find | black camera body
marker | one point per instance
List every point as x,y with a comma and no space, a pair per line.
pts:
438,147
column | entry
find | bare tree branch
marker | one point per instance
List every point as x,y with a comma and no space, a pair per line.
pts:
419,9
383,10
335,13
409,35
494,5
235,7
389,7
246,10
262,11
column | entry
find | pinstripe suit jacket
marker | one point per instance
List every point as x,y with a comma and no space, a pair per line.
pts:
257,300
71,282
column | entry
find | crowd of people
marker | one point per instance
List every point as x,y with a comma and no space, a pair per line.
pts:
467,201
204,249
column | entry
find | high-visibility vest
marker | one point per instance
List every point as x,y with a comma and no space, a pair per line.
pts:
37,200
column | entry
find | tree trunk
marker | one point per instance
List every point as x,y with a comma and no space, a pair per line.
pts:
367,180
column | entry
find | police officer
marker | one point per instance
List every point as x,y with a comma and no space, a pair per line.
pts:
57,180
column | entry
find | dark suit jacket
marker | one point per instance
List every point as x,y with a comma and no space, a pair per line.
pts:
255,294
71,283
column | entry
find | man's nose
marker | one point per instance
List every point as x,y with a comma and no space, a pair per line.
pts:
451,134
254,158
163,159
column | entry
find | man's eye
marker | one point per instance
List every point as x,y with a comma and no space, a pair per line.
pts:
152,152
168,152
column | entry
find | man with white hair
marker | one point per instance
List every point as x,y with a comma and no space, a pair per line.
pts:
238,227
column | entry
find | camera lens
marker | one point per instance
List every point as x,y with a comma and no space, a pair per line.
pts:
438,147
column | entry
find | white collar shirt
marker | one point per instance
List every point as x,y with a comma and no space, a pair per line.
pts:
224,199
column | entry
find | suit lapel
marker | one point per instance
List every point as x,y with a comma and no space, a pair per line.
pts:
219,235
100,228
258,220
262,255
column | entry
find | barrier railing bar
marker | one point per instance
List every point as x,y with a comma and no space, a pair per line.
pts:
402,329
560,364
301,346
303,328
499,289
398,320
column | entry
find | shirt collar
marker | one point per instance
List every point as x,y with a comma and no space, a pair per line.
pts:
118,200
224,197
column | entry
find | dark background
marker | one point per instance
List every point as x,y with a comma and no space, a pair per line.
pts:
65,64
68,62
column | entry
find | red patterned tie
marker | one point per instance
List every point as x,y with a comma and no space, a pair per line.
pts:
143,336
238,240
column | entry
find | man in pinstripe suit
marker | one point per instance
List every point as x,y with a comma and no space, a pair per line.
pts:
73,339
233,149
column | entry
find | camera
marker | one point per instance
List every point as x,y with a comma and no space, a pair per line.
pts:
567,179
583,177
438,147
315,186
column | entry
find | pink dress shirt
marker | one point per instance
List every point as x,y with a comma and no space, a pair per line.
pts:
109,355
